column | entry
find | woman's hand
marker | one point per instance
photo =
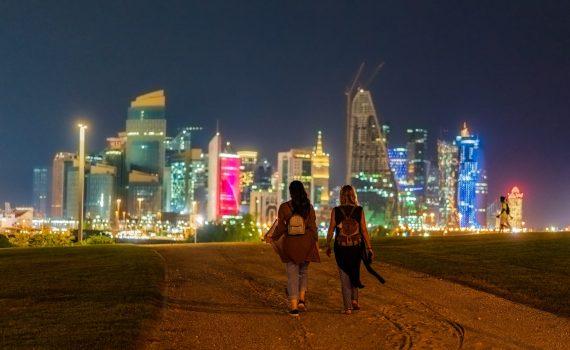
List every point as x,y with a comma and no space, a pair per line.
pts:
329,251
372,255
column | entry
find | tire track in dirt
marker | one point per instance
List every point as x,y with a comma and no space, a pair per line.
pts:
239,290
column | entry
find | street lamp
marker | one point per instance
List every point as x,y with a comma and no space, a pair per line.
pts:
117,212
81,180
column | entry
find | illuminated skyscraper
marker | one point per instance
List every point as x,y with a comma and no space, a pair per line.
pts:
263,175
40,192
515,199
247,171
263,207
114,155
224,196
294,164
62,162
177,182
145,148
214,150
417,162
320,164
448,164
471,185
368,168
398,158
99,196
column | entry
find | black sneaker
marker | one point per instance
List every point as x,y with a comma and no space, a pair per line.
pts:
294,313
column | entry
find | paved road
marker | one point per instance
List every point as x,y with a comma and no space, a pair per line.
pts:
231,296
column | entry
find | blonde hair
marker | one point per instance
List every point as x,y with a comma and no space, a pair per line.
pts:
348,196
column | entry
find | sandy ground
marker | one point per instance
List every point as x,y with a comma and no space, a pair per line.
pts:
231,296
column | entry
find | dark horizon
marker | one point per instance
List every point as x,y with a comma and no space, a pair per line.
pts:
274,74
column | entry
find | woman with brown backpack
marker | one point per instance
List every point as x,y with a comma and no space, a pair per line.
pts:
351,241
296,231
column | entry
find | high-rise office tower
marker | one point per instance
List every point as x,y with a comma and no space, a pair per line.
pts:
448,166
263,175
470,180
368,169
398,158
320,165
99,194
294,164
515,200
177,182
114,155
417,162
248,160
224,196
40,192
62,162
145,148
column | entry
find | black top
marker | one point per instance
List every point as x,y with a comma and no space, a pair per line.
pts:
339,216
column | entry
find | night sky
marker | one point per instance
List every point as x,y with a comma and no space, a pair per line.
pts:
274,73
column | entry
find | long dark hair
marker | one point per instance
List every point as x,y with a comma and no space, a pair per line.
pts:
299,198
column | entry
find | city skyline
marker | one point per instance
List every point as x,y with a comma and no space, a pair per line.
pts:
501,97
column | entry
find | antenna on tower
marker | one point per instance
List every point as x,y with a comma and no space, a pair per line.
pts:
217,126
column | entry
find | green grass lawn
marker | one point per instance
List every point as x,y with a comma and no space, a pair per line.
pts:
530,268
77,297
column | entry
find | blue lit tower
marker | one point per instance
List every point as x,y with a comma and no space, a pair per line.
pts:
398,158
470,178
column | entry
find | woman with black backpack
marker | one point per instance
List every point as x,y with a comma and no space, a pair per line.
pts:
351,241
297,228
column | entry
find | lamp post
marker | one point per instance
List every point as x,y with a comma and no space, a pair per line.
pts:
81,180
117,212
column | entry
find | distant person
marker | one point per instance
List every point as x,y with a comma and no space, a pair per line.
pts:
296,231
504,215
351,241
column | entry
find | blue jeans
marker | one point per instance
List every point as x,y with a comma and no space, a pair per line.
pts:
297,279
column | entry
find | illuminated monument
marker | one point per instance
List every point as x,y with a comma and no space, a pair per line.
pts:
471,184
368,168
145,151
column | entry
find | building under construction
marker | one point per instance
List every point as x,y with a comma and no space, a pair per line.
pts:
367,167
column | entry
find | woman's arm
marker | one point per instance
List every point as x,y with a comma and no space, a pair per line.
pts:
364,231
332,226
281,227
313,224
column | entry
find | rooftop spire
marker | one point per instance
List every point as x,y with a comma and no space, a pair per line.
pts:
319,148
465,130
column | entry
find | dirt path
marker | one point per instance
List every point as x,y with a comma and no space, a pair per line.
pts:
231,296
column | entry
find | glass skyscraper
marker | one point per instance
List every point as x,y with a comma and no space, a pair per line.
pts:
448,166
145,147
470,180
40,191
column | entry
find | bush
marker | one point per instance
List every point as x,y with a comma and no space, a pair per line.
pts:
41,239
99,239
231,230
4,242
